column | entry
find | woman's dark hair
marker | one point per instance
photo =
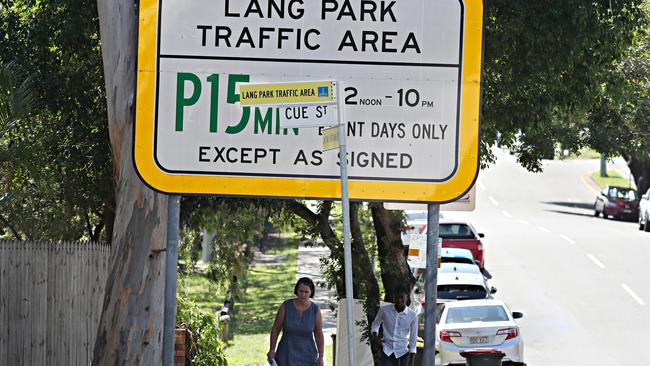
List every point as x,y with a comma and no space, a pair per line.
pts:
307,282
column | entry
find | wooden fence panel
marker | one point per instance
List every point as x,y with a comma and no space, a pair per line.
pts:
3,303
14,302
52,352
38,299
51,296
25,305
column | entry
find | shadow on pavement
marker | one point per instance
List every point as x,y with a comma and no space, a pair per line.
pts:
586,206
571,213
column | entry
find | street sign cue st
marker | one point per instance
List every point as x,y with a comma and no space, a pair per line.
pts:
411,76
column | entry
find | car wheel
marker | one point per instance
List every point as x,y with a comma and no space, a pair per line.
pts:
596,213
604,213
646,224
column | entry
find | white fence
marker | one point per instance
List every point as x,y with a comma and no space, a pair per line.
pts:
50,301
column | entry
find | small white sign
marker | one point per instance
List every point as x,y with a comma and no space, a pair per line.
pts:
308,115
417,256
330,138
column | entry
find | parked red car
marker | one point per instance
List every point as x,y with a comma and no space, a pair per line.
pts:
618,202
458,234
454,234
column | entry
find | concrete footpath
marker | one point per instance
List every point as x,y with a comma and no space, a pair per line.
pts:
309,266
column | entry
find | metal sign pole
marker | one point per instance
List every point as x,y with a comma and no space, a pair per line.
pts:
171,261
431,282
347,246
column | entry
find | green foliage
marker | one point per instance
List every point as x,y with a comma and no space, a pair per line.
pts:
206,347
620,123
547,65
237,225
17,99
59,171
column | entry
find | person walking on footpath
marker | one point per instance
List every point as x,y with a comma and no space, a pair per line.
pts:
300,320
400,324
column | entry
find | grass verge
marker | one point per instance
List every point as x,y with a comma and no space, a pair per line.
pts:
612,179
264,289
198,288
584,154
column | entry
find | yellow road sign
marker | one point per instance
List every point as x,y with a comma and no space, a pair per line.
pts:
287,93
411,94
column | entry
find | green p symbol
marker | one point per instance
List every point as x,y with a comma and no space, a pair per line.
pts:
181,101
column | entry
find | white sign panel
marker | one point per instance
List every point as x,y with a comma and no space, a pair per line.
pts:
417,255
308,115
399,64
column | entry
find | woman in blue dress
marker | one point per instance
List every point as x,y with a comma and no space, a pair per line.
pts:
302,342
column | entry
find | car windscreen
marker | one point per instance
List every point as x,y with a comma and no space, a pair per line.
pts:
457,260
456,231
461,292
487,313
625,194
459,269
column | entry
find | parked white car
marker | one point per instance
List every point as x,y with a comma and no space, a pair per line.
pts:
459,268
463,286
478,324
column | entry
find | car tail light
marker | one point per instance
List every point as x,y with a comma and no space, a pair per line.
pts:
621,203
509,333
445,336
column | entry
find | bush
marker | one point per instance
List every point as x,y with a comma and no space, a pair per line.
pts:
206,347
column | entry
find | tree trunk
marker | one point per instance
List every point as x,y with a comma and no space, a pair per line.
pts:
365,275
131,326
640,169
319,224
394,268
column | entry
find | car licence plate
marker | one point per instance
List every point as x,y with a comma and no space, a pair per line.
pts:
478,340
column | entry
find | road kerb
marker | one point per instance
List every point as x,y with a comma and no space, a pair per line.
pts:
589,182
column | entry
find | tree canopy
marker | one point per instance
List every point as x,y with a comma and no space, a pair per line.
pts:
547,66
60,165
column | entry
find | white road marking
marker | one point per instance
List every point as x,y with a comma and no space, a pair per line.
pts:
569,240
596,261
523,222
507,214
482,186
494,202
631,293
541,228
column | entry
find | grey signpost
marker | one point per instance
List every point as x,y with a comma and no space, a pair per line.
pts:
171,261
347,246
431,279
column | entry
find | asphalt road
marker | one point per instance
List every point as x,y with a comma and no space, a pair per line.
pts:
581,281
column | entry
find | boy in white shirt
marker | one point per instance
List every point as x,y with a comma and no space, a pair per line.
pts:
400,325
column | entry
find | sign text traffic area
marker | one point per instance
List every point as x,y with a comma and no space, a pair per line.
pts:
409,74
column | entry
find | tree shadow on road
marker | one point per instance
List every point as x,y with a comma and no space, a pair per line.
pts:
586,206
571,213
